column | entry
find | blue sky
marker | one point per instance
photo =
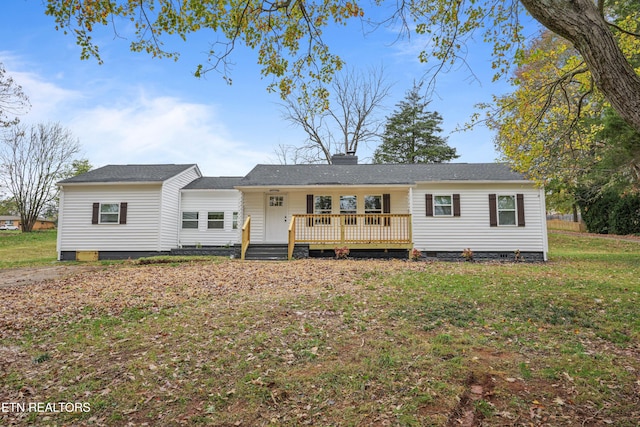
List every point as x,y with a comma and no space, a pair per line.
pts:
137,109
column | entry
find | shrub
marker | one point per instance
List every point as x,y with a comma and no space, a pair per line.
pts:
625,216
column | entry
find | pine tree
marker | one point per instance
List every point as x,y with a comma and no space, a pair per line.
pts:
410,134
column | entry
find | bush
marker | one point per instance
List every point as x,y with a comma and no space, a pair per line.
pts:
612,213
595,213
625,216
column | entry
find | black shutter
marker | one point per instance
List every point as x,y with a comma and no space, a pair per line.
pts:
386,209
429,204
123,213
96,213
520,207
456,205
493,211
310,209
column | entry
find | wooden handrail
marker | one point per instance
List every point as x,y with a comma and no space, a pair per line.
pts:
292,237
349,229
246,236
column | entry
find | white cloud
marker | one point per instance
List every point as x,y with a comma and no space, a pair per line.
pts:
162,130
135,128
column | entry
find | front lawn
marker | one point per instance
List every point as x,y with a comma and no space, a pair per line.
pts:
324,342
18,249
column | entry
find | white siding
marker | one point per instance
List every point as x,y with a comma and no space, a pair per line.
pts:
472,229
253,205
140,233
170,208
203,202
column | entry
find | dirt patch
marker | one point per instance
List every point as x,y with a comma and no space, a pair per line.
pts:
28,275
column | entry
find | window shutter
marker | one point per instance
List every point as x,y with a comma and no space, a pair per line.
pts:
309,203
386,209
96,213
310,209
456,205
123,212
429,203
386,203
493,211
520,207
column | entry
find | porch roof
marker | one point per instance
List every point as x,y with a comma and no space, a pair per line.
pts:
378,174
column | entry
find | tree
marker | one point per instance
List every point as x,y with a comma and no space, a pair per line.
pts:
288,34
13,101
345,123
32,160
410,135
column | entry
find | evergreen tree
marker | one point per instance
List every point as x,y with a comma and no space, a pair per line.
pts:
410,134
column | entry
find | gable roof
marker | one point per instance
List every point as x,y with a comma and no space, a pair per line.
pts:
378,174
128,173
214,183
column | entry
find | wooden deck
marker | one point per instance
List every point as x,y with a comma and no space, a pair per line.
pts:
355,231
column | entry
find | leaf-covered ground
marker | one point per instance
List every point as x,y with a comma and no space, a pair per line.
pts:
325,342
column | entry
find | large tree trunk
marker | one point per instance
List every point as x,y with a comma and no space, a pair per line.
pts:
580,22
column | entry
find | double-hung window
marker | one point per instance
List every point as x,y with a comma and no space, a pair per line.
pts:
109,213
322,205
234,224
215,220
190,220
507,210
372,209
442,206
349,207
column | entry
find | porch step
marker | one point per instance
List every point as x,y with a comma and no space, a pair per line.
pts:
265,251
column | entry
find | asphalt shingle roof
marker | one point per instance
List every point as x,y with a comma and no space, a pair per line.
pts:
129,173
383,174
214,183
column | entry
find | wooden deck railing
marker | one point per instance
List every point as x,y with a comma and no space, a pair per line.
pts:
246,236
371,231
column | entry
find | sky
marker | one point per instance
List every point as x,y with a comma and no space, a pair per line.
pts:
135,109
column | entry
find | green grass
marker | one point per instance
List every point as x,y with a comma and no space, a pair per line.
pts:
19,249
320,342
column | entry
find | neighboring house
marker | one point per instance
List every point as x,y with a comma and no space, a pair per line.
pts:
11,221
308,210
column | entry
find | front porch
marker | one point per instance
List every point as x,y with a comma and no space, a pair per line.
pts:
355,231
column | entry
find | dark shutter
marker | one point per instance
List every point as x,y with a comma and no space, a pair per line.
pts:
310,209
493,211
456,205
96,213
386,209
429,203
520,207
123,212
309,203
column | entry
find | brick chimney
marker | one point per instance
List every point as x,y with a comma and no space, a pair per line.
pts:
345,159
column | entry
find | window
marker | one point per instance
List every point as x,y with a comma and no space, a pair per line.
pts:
442,206
215,220
373,206
506,210
349,206
276,201
235,221
322,206
109,213
190,220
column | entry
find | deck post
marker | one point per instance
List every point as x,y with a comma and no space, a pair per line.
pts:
292,237
246,237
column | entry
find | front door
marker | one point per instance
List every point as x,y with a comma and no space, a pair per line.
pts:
277,224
